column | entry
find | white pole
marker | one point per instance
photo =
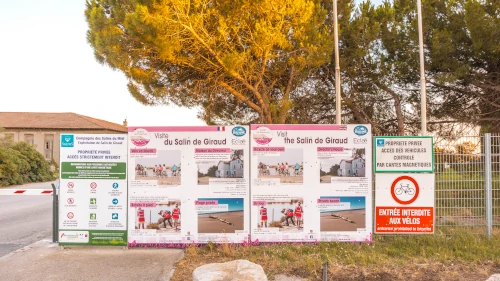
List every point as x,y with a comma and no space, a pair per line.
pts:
337,66
423,96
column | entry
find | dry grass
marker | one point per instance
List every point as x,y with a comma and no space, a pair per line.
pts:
425,257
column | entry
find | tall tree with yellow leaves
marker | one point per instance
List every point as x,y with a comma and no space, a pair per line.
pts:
237,60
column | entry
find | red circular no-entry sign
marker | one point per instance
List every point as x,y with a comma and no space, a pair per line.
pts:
397,190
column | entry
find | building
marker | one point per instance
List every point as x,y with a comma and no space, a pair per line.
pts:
345,168
230,169
43,130
352,167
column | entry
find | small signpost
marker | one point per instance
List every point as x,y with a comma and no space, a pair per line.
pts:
404,194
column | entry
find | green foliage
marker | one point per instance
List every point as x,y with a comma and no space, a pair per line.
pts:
239,60
211,171
270,61
21,163
334,170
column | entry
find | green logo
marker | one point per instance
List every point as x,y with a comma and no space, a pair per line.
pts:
93,217
93,201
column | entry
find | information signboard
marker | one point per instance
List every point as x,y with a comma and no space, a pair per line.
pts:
93,189
404,203
188,184
311,183
404,154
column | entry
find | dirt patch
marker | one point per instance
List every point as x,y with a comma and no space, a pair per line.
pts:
408,272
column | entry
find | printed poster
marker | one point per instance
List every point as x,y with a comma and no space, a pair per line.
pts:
188,185
93,189
311,183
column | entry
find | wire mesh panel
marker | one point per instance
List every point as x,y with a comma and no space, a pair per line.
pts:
460,196
495,163
460,184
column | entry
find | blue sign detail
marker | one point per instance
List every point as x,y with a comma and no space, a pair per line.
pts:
114,216
115,201
360,130
67,140
115,185
380,142
239,131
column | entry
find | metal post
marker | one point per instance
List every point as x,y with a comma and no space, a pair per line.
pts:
488,183
423,96
55,214
338,98
325,271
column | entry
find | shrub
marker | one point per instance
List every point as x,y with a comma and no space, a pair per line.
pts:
21,163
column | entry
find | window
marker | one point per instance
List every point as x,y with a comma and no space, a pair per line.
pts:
29,138
49,146
241,166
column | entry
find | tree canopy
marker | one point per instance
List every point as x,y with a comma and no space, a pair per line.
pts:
271,61
239,60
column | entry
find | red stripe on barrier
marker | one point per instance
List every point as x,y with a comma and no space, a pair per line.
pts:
19,191
46,191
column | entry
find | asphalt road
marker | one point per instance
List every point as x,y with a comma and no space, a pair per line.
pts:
24,219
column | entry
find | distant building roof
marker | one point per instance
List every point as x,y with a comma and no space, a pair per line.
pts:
66,121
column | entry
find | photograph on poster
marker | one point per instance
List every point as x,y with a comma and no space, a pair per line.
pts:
288,166
232,168
343,166
227,216
348,213
165,167
165,217
285,215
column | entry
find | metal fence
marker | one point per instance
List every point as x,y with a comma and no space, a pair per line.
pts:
467,170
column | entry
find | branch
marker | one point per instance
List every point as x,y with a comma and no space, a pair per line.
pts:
239,96
285,101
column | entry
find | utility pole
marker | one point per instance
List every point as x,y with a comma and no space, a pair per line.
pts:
423,95
338,98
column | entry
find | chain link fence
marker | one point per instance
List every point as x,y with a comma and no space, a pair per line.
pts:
467,186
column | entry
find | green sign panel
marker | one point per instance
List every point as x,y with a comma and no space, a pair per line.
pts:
93,170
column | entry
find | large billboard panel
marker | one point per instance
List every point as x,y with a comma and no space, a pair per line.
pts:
311,183
188,185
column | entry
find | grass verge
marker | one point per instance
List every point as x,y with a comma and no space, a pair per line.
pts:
461,256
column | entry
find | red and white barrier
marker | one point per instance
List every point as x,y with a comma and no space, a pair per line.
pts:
6,191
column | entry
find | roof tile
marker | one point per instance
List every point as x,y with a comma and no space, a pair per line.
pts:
43,120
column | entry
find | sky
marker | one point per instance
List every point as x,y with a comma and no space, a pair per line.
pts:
48,66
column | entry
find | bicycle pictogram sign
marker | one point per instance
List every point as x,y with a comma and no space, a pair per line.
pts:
405,190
